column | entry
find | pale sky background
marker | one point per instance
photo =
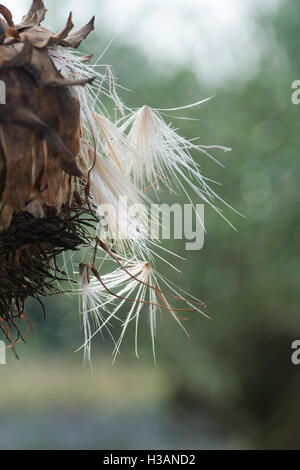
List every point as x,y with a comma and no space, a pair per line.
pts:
219,39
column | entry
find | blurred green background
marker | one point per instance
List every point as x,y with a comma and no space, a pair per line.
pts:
232,384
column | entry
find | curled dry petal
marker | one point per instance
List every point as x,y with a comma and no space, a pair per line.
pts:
5,12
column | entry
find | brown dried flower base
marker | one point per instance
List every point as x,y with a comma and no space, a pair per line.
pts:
28,260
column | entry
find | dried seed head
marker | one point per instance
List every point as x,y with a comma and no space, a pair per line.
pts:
64,166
